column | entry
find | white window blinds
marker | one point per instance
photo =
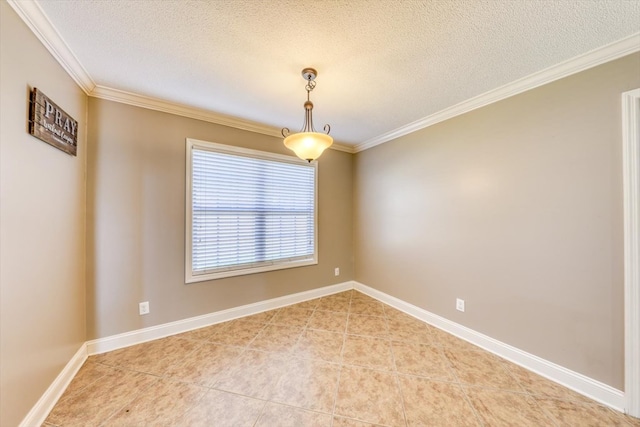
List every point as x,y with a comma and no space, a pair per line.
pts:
250,211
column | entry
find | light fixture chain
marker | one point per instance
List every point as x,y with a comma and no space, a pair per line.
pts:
310,86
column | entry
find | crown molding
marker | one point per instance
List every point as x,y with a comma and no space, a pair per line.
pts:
343,147
615,50
156,104
32,15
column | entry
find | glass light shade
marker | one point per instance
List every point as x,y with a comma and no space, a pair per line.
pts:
308,145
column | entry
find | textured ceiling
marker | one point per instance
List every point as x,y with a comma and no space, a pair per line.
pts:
382,64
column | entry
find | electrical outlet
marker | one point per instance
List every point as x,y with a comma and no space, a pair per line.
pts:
144,308
460,304
337,271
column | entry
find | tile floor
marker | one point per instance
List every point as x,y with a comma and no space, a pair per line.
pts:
341,360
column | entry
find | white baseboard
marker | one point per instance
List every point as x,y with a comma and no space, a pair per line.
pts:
139,336
48,400
582,384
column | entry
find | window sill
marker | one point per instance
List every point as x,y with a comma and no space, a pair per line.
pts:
192,278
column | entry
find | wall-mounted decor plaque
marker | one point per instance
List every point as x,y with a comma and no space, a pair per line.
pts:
51,124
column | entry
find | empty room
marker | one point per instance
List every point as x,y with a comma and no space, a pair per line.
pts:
330,213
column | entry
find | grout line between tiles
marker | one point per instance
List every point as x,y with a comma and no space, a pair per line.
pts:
341,362
549,416
396,376
264,406
291,354
132,399
462,388
473,408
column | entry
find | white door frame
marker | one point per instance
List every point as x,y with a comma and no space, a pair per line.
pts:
631,185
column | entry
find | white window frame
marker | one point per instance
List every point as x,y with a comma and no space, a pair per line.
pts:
190,277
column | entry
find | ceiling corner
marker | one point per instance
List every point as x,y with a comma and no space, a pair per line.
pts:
593,58
32,15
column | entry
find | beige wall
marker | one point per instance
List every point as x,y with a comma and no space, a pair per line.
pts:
42,226
517,209
136,214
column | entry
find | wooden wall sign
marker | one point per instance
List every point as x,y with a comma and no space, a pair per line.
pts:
51,124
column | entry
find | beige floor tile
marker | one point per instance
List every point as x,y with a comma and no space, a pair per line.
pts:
308,384
261,370
218,408
348,422
340,296
328,321
409,330
101,399
566,413
435,403
89,373
632,421
373,326
154,357
393,313
423,360
344,294
481,368
367,352
292,316
204,334
366,307
204,365
361,296
310,304
503,408
447,340
253,374
370,396
542,387
286,416
240,333
277,338
409,322
162,403
334,303
321,345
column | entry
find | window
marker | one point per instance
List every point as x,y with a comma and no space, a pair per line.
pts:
247,211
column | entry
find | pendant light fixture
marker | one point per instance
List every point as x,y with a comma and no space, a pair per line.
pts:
308,144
